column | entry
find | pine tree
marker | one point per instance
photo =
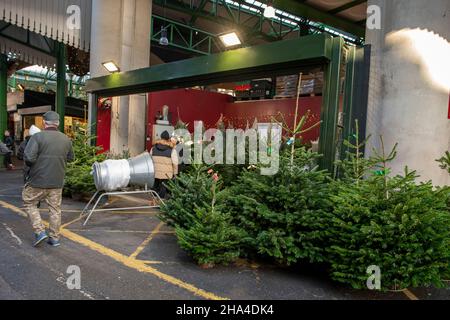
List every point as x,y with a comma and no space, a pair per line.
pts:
212,238
283,214
202,228
190,190
392,222
78,179
445,162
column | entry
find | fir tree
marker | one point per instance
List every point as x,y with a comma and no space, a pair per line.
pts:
283,214
78,179
392,222
188,191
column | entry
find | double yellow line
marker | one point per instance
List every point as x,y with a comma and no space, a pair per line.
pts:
129,261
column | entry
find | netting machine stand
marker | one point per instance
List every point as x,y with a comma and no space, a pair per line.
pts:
100,194
112,175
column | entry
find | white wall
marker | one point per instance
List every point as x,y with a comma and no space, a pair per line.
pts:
409,84
121,33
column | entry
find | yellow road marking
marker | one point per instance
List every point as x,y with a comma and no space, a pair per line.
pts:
151,262
410,295
115,212
120,231
127,261
13,208
146,241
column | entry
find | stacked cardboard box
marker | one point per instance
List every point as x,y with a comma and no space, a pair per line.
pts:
312,83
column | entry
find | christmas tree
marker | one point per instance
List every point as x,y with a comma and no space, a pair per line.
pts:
394,223
283,214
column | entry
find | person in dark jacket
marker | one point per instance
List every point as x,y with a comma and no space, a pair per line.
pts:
6,153
9,143
20,153
165,161
46,153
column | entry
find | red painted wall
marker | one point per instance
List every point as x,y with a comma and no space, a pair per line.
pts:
193,105
265,110
208,106
103,127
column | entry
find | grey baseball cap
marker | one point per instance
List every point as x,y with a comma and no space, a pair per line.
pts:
51,116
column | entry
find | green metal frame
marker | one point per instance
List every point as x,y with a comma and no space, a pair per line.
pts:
302,9
3,95
348,99
195,41
277,58
330,106
251,28
61,83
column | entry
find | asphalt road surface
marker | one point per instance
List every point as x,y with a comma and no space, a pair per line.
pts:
132,255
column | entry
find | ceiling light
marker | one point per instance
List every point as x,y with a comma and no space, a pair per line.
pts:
21,87
163,40
230,39
111,66
269,11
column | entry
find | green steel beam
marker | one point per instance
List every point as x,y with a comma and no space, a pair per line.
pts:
93,101
224,21
279,57
61,82
306,11
348,99
330,107
3,95
196,12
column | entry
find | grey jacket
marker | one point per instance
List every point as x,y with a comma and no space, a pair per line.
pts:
4,149
47,153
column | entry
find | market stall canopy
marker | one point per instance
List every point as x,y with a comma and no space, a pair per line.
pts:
26,26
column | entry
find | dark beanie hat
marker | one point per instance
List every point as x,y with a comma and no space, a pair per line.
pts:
165,135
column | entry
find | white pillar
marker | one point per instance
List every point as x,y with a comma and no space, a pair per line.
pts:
121,33
140,58
409,84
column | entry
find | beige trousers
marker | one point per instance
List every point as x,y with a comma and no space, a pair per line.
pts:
53,197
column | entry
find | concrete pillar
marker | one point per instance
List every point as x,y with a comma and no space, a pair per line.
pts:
121,33
409,84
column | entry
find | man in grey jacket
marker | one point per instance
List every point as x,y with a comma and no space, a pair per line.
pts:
46,154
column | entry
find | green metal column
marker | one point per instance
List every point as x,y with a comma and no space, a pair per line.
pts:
93,101
61,82
330,107
348,99
3,94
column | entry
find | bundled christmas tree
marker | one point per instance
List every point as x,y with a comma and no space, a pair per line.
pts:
283,214
445,162
190,190
78,178
202,227
394,223
211,238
